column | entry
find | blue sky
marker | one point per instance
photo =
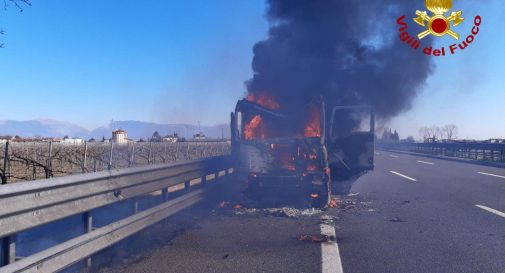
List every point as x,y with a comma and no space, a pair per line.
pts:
91,61
88,62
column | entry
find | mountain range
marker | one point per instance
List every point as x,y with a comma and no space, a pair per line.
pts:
135,129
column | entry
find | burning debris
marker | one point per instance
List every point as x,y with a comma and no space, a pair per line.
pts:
228,205
333,203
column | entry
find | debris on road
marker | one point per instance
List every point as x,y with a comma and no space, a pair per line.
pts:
223,204
314,238
279,212
396,220
226,204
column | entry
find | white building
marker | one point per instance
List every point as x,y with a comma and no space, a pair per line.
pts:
171,138
4,139
73,141
120,136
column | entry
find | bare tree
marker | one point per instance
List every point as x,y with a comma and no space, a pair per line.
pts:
18,4
437,132
450,131
431,133
428,132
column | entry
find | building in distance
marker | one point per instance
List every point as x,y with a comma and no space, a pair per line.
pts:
120,136
199,136
4,139
171,138
73,141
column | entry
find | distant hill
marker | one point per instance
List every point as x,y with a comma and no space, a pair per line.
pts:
135,129
42,127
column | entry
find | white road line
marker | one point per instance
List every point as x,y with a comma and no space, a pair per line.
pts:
426,162
330,254
394,156
377,153
404,176
490,174
497,212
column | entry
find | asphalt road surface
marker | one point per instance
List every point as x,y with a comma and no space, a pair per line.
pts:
412,214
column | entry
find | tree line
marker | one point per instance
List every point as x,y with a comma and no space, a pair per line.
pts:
436,133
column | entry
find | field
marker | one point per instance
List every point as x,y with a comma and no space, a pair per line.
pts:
38,160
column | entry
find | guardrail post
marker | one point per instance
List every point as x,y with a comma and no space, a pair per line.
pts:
8,250
88,227
164,192
187,186
135,205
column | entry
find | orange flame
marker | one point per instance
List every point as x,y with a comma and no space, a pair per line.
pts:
313,126
264,100
254,129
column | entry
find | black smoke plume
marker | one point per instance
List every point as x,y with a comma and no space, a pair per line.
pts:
346,51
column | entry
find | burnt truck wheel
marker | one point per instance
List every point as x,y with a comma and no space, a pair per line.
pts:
322,196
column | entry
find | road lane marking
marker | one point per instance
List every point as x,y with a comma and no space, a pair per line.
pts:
330,254
394,156
490,174
404,176
497,212
377,153
426,162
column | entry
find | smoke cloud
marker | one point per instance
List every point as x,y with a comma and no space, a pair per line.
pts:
346,51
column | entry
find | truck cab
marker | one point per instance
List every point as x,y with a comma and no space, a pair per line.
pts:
298,165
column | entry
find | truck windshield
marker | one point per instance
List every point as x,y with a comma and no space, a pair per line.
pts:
261,125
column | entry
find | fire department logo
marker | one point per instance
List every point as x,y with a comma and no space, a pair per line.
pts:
438,24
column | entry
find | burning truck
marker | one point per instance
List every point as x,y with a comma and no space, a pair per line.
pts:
305,155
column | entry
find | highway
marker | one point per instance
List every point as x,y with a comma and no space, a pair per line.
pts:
412,214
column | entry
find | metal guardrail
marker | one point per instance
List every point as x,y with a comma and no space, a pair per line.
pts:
31,204
476,151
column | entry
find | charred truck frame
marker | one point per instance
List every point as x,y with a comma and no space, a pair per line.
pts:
324,157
